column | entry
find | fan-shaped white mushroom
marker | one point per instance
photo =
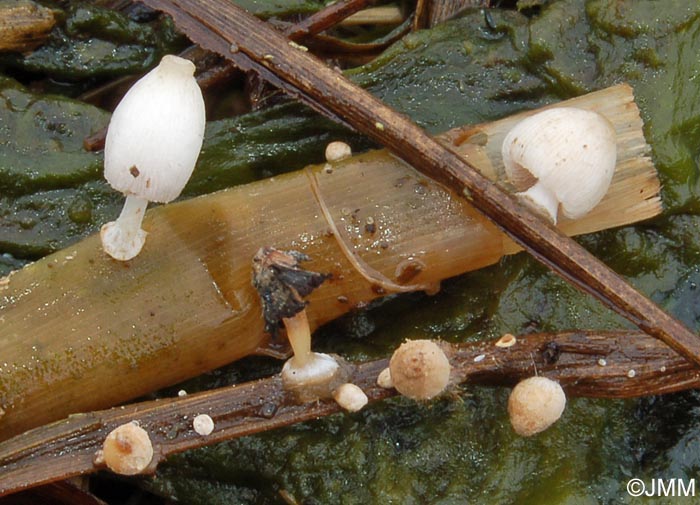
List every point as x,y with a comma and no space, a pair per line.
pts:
152,144
535,404
561,157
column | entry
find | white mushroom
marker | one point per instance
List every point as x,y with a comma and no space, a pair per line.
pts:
419,369
152,144
535,404
203,424
337,151
350,397
310,375
127,449
561,157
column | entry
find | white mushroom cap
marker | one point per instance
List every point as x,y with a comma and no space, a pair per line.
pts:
337,151
156,133
535,404
127,450
350,397
561,157
203,424
419,369
314,378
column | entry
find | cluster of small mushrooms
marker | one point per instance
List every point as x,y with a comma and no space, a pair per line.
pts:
420,370
561,159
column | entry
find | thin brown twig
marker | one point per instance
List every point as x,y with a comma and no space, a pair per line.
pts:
325,19
421,16
622,364
327,46
235,34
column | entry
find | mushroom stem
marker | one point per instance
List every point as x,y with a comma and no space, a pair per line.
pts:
132,213
123,239
541,199
299,335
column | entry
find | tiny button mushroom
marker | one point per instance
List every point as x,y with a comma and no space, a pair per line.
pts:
561,157
535,404
203,424
317,378
350,397
127,450
420,369
152,145
337,151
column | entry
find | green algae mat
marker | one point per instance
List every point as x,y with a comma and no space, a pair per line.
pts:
479,67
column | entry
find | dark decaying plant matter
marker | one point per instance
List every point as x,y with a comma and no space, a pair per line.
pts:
659,359
282,284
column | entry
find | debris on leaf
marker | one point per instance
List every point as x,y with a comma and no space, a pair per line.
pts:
282,284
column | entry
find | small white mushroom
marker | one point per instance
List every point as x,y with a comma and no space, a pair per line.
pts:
350,397
337,150
561,157
420,369
203,424
535,404
152,144
309,375
127,450
318,376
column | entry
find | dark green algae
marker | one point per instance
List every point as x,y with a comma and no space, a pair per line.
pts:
91,42
458,449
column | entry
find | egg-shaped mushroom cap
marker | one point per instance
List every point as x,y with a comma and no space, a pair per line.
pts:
419,369
156,132
571,151
535,404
